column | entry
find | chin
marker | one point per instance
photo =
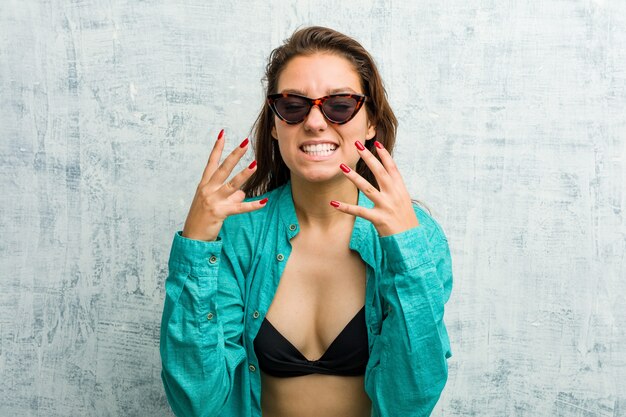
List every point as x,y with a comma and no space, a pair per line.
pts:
320,177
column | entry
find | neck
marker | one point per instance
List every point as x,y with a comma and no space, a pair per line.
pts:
312,202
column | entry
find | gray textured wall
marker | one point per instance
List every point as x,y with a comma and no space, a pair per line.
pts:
512,131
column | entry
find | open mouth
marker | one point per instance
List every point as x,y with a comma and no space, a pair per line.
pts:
320,149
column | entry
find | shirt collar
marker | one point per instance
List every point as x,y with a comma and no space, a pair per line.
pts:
361,240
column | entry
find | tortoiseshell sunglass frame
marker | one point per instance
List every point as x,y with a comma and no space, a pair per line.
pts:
319,102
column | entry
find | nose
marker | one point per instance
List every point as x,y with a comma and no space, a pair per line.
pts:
315,120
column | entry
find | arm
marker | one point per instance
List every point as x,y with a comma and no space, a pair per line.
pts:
201,326
407,369
412,350
201,345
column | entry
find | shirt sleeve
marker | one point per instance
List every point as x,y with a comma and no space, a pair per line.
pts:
201,327
408,366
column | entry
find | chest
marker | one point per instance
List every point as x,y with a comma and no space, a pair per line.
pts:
320,290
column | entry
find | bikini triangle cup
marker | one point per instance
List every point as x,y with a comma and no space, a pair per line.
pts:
347,355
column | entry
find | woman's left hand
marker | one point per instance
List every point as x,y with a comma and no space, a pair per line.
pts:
393,210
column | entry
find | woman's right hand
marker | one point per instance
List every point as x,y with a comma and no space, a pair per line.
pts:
215,199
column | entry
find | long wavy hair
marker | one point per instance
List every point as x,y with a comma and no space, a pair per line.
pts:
272,172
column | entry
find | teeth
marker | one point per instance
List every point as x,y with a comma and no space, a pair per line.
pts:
321,149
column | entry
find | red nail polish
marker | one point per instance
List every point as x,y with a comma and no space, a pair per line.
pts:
359,145
334,203
263,201
244,143
252,165
220,135
378,145
345,168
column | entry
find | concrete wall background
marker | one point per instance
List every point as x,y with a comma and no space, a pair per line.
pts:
512,131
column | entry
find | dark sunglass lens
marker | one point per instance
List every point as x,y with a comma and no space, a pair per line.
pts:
292,109
340,109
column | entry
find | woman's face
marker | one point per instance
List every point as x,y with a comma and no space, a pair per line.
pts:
316,76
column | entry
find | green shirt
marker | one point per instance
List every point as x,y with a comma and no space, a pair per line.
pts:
217,294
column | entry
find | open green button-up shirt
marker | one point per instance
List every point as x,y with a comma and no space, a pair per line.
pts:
217,294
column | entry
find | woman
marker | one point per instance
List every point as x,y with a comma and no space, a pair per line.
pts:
322,294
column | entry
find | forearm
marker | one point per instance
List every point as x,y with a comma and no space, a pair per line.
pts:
198,364
414,344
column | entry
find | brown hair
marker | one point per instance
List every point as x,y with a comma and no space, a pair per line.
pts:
272,172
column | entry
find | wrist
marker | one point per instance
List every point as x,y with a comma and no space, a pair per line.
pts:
199,236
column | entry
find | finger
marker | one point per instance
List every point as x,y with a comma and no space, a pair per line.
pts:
236,197
374,164
354,210
214,159
224,170
235,183
362,184
388,162
245,207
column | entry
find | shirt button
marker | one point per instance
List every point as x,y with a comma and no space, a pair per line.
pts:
209,316
213,259
292,227
280,257
256,314
252,368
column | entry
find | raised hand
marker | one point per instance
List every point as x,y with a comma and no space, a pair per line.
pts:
215,200
393,210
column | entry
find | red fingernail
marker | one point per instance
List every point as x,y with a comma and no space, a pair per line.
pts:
345,168
334,203
252,165
244,143
378,145
220,135
359,145
263,201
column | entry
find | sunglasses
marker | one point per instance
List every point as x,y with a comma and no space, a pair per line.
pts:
336,108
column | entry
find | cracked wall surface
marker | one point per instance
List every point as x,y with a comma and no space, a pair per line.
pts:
512,131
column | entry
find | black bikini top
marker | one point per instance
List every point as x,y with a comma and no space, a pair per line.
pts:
347,355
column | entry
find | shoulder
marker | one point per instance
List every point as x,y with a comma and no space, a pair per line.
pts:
431,227
416,246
